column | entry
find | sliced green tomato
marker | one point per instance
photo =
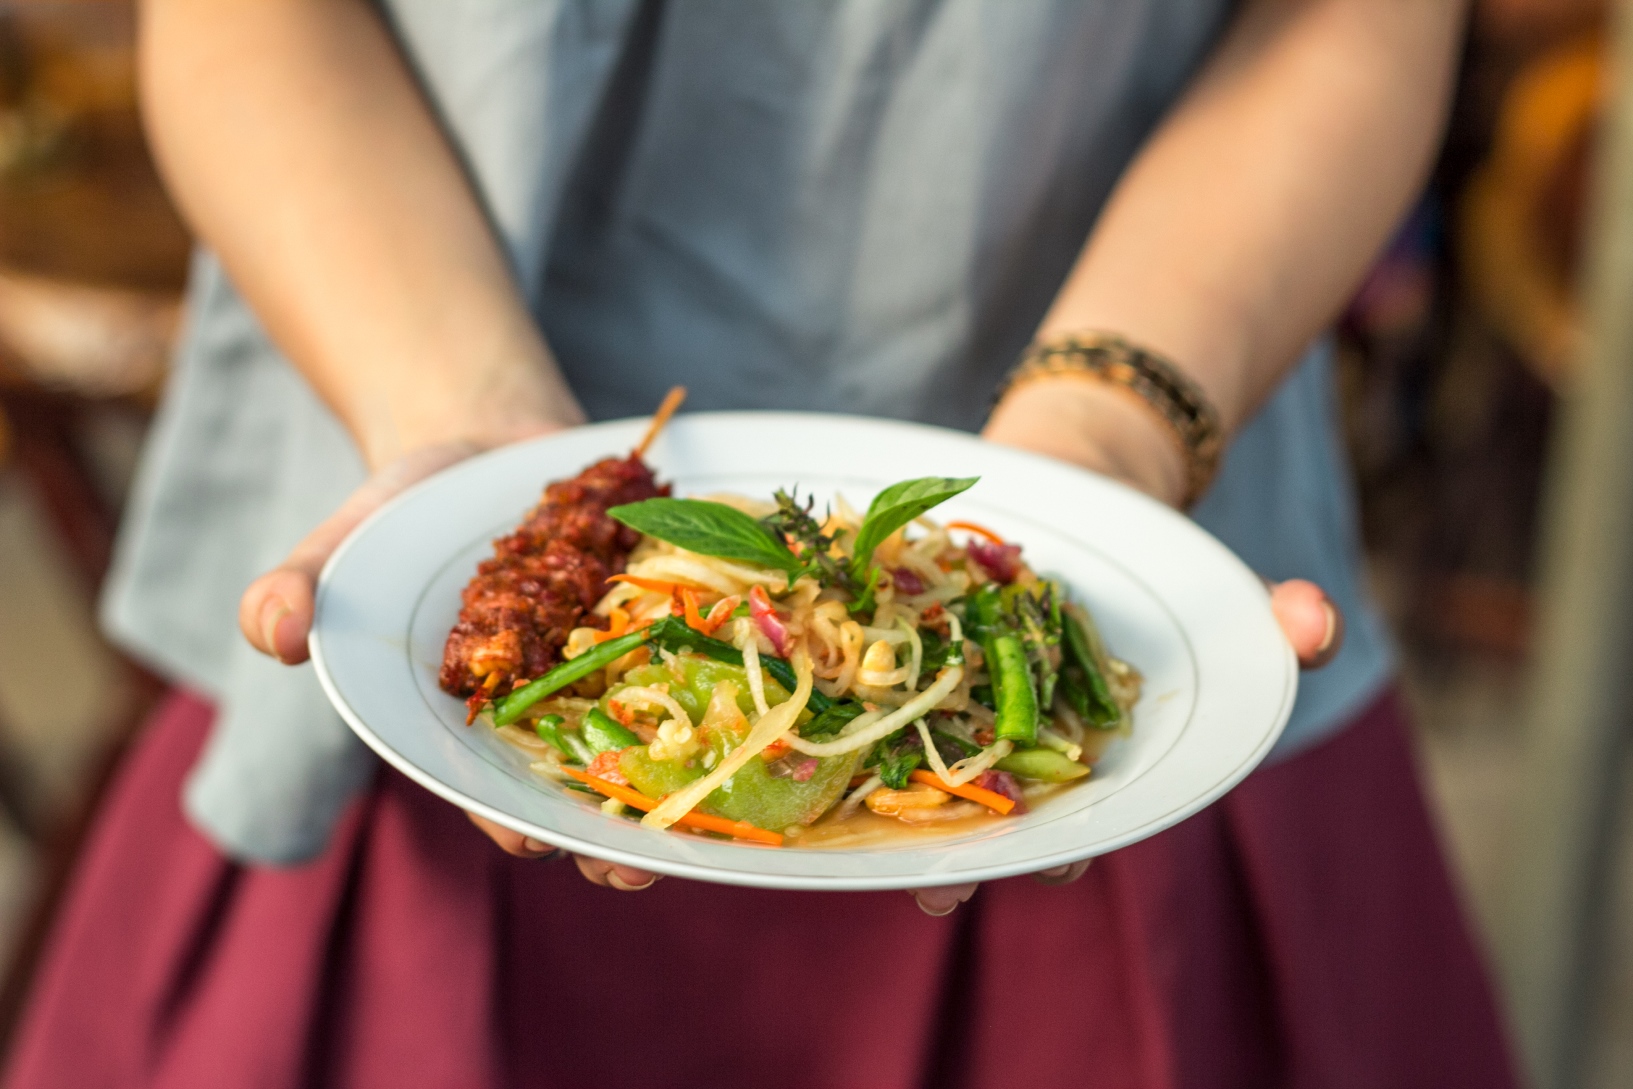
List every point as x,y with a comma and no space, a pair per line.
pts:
656,778
1045,764
751,795
701,674
774,804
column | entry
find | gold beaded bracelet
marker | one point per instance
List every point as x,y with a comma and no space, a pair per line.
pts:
1180,402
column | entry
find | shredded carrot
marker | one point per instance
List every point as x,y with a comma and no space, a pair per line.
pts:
636,800
990,799
688,604
657,586
618,625
975,527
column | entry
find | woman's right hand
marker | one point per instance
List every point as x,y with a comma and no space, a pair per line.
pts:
275,612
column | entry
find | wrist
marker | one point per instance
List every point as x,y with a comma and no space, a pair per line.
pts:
483,407
1096,425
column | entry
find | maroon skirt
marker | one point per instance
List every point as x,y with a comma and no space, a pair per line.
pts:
1301,932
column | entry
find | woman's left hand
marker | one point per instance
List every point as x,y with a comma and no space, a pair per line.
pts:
1109,431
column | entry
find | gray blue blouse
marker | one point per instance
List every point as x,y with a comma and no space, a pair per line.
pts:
858,206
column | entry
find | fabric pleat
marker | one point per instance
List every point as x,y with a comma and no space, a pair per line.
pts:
1303,932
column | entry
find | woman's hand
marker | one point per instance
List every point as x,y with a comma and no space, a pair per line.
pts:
275,613
1109,430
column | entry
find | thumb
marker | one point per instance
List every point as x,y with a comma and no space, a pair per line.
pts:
1309,619
275,613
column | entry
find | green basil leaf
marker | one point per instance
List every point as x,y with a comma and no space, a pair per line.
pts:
711,529
896,506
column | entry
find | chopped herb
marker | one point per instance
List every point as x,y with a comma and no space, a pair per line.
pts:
816,548
898,756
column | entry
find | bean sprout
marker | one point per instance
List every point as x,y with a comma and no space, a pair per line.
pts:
640,693
750,646
916,662
858,796
926,701
1049,739
966,769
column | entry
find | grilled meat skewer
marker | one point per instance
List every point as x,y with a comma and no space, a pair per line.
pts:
542,581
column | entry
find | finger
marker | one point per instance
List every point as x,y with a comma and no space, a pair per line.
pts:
943,900
611,876
1309,619
1064,875
275,612
512,842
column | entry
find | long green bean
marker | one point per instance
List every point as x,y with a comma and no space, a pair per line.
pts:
549,730
672,634
512,707
1011,673
602,734
1086,687
1008,670
1044,764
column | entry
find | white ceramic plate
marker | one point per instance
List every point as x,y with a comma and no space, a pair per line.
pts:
1219,677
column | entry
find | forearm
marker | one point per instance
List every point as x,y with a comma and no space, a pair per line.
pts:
1246,222
301,151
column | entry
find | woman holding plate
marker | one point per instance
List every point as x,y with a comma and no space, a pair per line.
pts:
434,227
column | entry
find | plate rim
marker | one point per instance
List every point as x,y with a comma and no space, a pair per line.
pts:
748,877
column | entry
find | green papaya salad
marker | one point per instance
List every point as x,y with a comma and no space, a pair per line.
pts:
761,673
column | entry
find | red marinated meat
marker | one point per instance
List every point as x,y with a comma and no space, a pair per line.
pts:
543,579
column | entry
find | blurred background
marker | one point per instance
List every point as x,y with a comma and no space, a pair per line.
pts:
1455,352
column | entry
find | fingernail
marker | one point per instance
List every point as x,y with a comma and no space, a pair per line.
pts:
271,614
948,910
624,886
1332,628
534,846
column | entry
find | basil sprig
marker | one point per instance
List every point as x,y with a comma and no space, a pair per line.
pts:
892,509
714,529
710,529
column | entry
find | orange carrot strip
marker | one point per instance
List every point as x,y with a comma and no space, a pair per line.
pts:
636,800
655,585
688,604
619,625
975,527
990,799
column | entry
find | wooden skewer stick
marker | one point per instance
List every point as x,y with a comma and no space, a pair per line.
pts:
671,402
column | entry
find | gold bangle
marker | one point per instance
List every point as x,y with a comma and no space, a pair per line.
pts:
1180,402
